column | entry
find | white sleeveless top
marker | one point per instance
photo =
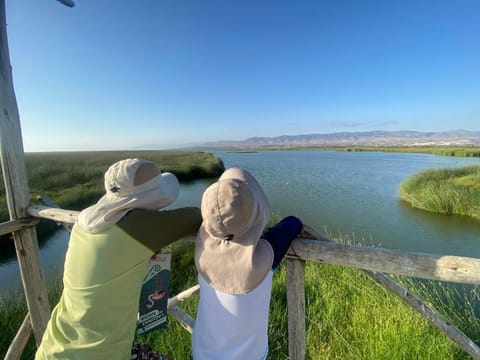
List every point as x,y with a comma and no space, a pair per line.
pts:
232,326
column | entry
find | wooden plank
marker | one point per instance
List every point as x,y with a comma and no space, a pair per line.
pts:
296,308
52,213
17,192
184,295
182,317
427,266
47,201
16,348
33,281
9,227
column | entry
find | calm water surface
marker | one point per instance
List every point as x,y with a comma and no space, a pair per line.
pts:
355,194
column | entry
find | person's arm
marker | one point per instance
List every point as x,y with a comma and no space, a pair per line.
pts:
157,229
281,235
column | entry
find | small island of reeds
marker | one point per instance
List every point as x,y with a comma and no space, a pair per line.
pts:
451,191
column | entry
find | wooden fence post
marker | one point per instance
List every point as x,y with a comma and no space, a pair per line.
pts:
17,192
296,308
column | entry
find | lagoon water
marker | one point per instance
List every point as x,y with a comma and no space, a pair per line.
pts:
353,194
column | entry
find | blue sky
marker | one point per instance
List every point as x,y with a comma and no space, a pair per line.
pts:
110,75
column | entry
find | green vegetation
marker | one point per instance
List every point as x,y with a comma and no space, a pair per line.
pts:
448,191
74,180
348,316
435,150
470,151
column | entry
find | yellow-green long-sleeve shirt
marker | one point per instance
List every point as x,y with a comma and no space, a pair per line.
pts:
97,313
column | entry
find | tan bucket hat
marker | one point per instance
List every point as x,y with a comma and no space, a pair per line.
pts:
229,253
129,184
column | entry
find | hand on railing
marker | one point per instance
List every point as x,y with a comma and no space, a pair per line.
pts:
308,233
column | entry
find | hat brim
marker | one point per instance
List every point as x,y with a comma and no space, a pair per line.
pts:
240,265
160,192
231,267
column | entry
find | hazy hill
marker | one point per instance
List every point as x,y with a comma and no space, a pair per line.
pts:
370,138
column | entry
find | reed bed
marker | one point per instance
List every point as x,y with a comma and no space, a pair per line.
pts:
447,191
468,151
74,180
471,151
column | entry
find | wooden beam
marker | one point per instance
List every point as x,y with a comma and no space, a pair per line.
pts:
182,317
427,266
296,308
48,201
15,350
184,295
52,213
9,227
17,192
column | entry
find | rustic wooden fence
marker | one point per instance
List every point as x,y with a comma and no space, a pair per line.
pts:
374,262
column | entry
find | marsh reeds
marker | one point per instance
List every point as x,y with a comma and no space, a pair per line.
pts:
471,151
74,180
448,191
458,151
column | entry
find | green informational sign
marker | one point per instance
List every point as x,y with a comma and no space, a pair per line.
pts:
154,295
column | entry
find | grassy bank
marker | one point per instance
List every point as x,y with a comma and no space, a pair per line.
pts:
448,191
348,316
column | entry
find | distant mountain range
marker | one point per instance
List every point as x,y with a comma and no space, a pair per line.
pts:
370,138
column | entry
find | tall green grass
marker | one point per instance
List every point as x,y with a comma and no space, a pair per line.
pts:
448,191
348,316
12,313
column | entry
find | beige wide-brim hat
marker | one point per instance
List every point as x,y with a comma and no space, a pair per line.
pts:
229,253
129,184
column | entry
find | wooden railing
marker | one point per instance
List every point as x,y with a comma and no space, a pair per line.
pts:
374,262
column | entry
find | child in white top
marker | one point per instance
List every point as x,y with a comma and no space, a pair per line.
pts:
235,264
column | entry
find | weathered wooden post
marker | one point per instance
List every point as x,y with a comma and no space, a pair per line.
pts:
17,192
296,308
